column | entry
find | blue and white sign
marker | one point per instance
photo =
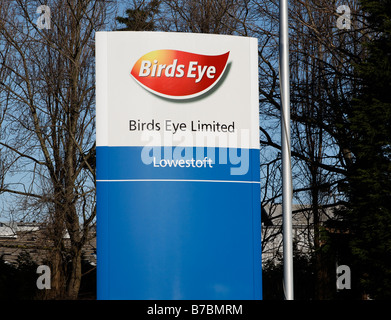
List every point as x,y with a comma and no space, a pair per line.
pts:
178,190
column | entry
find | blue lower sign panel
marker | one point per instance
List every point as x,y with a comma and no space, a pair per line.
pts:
177,236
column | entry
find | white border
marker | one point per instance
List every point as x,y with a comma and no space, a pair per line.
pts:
174,180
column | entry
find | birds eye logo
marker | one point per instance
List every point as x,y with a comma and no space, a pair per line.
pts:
178,74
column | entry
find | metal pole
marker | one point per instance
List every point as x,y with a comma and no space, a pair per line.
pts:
286,152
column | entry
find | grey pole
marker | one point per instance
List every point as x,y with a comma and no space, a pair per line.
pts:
286,152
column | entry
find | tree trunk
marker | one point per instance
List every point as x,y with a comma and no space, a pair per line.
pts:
322,291
58,279
74,276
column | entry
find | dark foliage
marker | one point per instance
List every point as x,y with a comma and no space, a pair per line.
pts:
140,18
367,218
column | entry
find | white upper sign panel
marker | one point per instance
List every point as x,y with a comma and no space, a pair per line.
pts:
176,89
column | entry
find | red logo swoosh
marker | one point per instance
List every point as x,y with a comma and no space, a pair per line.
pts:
179,74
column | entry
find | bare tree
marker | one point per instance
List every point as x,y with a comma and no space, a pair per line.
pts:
322,85
206,16
50,123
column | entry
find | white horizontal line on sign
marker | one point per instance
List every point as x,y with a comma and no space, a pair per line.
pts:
175,180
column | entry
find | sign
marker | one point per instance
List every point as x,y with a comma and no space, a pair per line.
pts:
178,190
